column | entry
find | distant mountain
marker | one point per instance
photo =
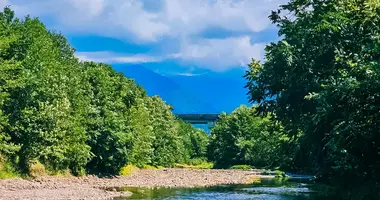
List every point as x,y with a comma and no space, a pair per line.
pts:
225,92
183,100
211,93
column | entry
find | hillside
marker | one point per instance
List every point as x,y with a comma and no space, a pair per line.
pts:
183,100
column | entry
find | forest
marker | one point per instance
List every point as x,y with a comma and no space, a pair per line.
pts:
315,96
82,116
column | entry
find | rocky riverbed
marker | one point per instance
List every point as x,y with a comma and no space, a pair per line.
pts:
93,187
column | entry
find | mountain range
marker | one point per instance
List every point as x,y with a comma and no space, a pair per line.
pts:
208,93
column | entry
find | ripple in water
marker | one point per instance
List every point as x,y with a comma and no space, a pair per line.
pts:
265,189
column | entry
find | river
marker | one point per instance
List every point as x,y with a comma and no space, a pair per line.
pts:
268,189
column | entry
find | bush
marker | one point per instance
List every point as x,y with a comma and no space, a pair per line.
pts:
280,174
36,169
204,165
243,167
148,167
127,170
64,173
6,169
241,138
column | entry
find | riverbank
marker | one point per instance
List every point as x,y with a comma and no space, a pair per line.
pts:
94,188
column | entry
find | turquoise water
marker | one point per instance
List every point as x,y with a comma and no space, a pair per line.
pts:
265,189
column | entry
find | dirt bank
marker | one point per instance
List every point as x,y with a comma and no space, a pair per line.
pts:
92,187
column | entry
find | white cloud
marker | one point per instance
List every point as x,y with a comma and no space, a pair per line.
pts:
178,21
187,74
119,18
113,58
221,54
214,54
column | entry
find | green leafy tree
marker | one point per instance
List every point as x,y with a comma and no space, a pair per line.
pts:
195,141
9,68
322,79
243,138
39,105
143,137
111,97
167,144
58,113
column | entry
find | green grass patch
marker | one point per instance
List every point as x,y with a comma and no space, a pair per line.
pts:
243,167
148,167
36,169
280,174
128,170
196,164
6,169
63,173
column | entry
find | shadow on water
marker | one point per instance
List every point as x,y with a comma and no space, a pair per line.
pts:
271,189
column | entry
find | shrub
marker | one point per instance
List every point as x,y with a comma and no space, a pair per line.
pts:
280,174
243,167
148,167
127,170
204,165
64,173
36,169
6,169
197,161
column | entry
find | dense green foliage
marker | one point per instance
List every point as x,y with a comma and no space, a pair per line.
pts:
322,80
64,114
241,138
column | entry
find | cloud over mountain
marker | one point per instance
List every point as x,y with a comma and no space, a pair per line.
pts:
176,27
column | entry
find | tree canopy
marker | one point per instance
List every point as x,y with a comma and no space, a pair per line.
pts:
241,138
82,116
322,80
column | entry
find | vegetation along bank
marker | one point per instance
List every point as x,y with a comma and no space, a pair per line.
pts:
316,96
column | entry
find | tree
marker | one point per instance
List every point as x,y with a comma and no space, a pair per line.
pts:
108,122
8,78
195,141
142,141
323,79
39,103
168,146
243,138
83,116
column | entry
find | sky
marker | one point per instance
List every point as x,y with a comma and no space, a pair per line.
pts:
171,37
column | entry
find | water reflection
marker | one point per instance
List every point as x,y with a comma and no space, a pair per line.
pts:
269,189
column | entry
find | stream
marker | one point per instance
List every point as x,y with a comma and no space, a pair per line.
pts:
268,189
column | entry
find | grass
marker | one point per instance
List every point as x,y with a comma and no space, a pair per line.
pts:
127,170
148,167
280,174
6,169
64,174
243,167
36,169
196,165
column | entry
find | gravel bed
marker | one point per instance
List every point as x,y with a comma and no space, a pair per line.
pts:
93,187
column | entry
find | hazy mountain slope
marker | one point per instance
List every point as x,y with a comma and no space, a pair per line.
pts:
183,100
225,93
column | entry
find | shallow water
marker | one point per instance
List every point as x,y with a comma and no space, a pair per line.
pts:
268,189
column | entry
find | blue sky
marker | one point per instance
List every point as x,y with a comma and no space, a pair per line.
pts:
172,37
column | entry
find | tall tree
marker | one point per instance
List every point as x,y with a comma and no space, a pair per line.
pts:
168,146
243,138
323,79
40,106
